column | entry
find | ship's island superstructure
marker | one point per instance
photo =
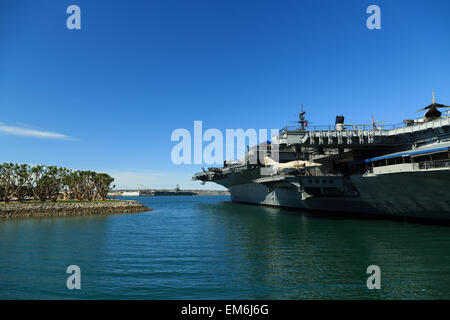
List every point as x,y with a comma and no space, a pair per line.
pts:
396,170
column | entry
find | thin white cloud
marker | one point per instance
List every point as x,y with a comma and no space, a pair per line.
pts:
25,132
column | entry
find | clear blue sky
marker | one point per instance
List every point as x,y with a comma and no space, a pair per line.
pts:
137,70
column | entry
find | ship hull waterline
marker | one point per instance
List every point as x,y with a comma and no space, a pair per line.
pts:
423,195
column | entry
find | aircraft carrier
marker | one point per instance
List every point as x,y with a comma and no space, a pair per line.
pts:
393,170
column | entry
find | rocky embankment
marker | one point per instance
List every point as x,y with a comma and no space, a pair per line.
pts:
62,209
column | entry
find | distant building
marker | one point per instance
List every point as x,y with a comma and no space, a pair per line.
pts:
124,193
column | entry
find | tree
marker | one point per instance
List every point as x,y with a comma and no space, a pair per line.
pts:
21,176
102,182
73,183
55,178
39,183
47,182
81,184
88,184
7,180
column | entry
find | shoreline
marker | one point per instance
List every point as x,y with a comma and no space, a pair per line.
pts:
65,209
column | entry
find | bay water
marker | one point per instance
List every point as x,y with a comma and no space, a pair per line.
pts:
205,247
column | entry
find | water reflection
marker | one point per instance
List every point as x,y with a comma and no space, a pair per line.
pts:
305,257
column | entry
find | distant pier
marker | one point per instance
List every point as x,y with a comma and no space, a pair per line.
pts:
166,192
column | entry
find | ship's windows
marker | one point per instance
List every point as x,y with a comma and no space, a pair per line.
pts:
331,181
324,181
422,158
440,156
317,181
310,181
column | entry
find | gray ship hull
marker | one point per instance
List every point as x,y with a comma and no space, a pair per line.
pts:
421,194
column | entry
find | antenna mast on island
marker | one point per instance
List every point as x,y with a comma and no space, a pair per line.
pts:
302,120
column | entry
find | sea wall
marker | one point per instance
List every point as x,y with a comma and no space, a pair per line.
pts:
62,209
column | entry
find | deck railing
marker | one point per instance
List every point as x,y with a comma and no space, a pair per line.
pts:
368,127
426,165
346,128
